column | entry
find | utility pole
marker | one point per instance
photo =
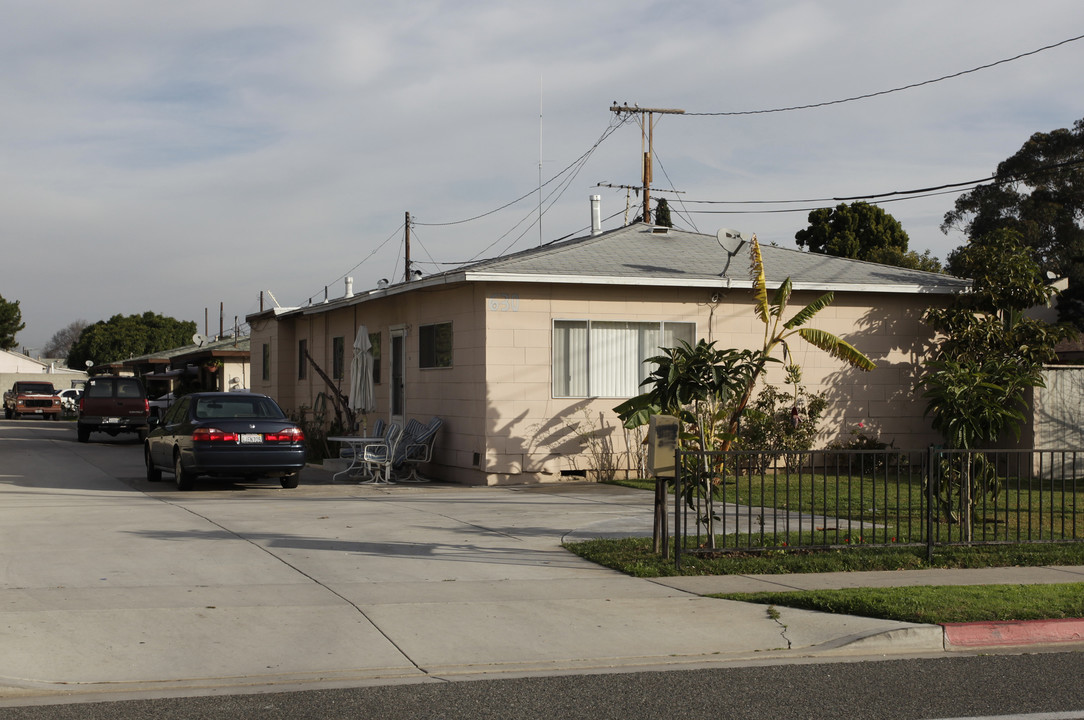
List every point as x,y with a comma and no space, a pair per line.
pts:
647,138
406,245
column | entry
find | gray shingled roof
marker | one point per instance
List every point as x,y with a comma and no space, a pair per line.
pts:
640,254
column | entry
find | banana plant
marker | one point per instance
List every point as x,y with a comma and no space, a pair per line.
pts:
688,379
778,332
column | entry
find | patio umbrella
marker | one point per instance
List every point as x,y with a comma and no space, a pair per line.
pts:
361,373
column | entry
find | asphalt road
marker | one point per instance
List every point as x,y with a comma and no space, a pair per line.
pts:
1036,685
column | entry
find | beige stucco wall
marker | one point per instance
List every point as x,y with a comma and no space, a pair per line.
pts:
531,432
455,394
502,423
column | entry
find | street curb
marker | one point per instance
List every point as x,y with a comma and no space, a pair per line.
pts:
1013,632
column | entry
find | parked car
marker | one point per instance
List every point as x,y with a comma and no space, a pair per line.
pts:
113,404
69,398
227,435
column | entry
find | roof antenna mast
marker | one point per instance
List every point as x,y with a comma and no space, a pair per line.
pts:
647,138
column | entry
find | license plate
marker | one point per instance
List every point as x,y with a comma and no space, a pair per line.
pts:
251,438
110,420
39,411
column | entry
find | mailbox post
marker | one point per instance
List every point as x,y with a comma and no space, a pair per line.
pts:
662,444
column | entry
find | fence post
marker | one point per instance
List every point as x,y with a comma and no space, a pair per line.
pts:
931,479
678,529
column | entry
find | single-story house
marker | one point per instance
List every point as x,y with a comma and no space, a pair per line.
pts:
17,366
524,356
210,364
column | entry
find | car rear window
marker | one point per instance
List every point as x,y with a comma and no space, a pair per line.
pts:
212,408
99,389
114,387
129,389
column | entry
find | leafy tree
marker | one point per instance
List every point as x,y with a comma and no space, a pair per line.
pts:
989,321
11,323
988,357
863,232
61,342
662,214
1038,193
125,336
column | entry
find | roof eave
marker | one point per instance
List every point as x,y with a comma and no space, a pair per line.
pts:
706,282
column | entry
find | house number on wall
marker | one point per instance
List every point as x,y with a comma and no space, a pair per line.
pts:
504,302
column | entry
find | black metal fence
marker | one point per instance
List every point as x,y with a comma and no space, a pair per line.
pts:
837,498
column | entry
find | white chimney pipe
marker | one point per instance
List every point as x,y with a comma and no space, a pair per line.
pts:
349,287
596,215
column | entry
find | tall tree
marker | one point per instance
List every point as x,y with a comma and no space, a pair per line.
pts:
11,323
988,355
61,343
863,232
125,336
1038,193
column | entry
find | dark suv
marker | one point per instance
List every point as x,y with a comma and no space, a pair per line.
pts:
113,404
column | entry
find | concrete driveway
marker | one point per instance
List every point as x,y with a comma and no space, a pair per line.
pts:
110,584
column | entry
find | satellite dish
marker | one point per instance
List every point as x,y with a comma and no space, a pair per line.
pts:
731,240
90,363
198,339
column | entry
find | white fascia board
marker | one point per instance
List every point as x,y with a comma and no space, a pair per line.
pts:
714,283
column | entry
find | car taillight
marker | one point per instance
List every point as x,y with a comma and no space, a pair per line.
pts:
146,406
204,434
290,435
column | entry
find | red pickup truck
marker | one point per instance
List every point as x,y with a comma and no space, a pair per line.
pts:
31,398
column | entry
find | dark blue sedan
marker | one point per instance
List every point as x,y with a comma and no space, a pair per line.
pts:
225,434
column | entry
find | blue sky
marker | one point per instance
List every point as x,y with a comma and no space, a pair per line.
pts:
172,157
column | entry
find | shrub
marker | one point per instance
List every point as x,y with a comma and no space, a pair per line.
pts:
782,424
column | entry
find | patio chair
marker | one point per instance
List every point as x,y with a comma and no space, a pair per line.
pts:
381,456
346,452
418,448
352,448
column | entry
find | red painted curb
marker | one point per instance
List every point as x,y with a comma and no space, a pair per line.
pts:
1014,632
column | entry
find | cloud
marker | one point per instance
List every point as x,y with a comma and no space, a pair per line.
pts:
177,156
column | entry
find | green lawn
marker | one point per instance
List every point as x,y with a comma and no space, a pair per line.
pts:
936,604
634,556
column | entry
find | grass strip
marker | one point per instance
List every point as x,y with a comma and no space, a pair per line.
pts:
634,556
935,603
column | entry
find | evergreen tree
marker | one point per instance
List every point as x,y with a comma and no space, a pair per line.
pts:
11,323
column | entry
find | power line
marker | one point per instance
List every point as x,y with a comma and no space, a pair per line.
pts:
893,90
610,129
944,189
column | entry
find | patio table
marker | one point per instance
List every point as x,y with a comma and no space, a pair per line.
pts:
357,447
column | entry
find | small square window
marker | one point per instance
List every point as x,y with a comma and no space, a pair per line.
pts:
435,345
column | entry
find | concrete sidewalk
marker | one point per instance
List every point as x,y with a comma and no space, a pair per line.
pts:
106,591
957,636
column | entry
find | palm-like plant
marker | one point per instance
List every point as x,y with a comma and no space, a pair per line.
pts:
777,332
695,382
